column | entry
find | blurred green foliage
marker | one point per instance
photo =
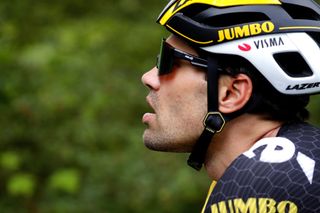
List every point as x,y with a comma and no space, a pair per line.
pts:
71,103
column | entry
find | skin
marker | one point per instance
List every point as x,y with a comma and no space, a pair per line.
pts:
177,99
179,104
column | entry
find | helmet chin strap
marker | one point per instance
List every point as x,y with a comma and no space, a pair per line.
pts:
213,121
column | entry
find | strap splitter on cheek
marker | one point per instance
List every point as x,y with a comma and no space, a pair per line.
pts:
213,121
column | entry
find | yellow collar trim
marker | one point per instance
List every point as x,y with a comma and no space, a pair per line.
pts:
213,184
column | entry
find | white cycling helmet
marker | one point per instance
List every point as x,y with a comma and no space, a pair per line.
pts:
279,38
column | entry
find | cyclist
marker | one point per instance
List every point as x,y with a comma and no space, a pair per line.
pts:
231,86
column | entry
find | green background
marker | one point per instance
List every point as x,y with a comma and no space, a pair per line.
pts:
71,102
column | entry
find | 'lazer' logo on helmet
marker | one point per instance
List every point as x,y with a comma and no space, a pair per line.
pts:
303,86
245,31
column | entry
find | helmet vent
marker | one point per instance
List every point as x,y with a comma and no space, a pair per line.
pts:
293,64
316,37
300,12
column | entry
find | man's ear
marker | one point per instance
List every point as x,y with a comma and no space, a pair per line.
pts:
234,92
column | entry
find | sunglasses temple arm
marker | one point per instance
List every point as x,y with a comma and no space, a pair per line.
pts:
199,64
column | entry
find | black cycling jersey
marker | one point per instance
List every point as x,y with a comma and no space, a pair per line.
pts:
278,174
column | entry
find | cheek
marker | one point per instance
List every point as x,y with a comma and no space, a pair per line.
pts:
190,104
196,98
184,96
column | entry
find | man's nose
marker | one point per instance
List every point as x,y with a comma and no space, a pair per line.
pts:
151,79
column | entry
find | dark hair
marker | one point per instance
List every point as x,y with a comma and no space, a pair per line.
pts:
265,100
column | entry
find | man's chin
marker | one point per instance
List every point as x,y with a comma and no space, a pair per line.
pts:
165,146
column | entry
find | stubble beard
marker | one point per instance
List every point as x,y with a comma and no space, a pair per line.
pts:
167,142
176,129
171,136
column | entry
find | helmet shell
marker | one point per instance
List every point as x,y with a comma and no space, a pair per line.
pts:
280,38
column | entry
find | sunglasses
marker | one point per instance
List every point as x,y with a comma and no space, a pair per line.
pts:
167,55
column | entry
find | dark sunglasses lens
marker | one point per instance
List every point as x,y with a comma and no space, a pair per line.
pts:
165,59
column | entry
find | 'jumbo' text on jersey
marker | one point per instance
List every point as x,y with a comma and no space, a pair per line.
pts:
278,174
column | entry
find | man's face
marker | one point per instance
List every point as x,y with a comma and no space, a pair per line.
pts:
179,103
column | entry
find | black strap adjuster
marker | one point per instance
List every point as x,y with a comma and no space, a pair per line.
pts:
214,122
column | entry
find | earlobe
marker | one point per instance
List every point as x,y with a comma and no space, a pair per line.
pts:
234,92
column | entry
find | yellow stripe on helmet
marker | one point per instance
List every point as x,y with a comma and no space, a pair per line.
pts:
195,41
299,28
180,4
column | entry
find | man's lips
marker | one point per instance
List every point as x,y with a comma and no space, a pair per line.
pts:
149,115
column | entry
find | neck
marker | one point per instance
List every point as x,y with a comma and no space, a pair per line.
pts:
237,137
